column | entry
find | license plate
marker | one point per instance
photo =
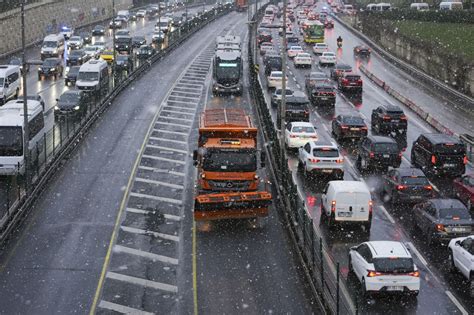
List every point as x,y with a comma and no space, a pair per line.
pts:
386,155
344,214
394,288
395,120
353,83
354,129
458,229
327,171
449,165
324,98
415,197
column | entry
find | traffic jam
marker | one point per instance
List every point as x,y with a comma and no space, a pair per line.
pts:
391,198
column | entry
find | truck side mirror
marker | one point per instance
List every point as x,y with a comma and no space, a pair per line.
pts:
262,158
195,157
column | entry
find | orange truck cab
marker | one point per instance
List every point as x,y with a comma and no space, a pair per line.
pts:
241,5
228,186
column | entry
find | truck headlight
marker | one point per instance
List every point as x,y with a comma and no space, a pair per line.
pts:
56,107
77,107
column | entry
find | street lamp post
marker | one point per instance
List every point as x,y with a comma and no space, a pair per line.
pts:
26,129
113,42
283,93
255,34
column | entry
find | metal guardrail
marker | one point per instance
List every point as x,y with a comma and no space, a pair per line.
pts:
322,272
445,89
63,138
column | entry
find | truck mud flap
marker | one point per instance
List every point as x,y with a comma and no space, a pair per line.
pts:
231,205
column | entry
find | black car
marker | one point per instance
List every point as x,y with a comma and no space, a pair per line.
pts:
50,67
86,37
378,153
98,30
71,75
442,219
123,44
439,154
362,51
406,184
18,62
339,69
389,119
145,51
71,103
313,78
297,108
77,57
124,63
138,41
323,93
272,62
349,127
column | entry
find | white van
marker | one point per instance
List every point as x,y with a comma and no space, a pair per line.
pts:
346,201
124,14
163,24
12,158
420,6
93,76
53,46
448,6
383,7
371,7
10,79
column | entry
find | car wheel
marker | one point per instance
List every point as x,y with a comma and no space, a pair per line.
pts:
367,226
351,272
452,266
358,164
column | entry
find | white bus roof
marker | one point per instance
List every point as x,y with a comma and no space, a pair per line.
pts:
11,114
93,65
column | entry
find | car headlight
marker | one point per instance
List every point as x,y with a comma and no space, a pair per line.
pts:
53,69
77,107
56,107
55,51
40,69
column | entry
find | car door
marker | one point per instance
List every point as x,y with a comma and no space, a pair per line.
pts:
288,132
361,261
465,256
429,216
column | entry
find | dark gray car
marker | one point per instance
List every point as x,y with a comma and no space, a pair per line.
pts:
71,103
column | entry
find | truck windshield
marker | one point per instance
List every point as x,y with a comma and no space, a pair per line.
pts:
230,160
88,76
228,70
11,141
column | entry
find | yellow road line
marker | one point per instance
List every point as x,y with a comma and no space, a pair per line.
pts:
195,300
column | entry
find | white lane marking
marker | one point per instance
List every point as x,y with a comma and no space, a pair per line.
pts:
163,159
298,86
171,131
184,102
160,170
184,92
325,128
146,232
175,118
159,147
144,254
417,253
143,282
168,140
181,107
198,70
187,85
294,79
187,88
456,302
192,81
185,97
147,212
157,182
176,112
389,217
122,308
157,198
171,124
194,75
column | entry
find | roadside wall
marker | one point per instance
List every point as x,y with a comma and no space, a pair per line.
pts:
454,70
47,18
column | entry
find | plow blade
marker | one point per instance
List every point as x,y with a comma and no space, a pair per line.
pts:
238,205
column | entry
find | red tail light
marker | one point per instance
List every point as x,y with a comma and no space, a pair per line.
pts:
414,274
403,117
345,81
345,127
293,136
359,81
433,159
371,206
314,160
372,273
386,117
439,227
333,206
339,161
465,160
428,187
401,187
372,154
400,154
365,128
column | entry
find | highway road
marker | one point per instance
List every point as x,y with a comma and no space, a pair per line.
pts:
441,292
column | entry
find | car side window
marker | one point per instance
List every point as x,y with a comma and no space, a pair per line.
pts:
467,244
307,147
288,126
431,210
364,251
466,180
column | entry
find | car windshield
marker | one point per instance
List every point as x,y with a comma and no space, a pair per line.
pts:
98,28
1,82
386,148
317,75
454,214
49,63
325,152
88,76
74,70
230,160
329,55
450,148
50,44
74,38
415,180
124,40
351,120
69,97
394,265
303,129
90,49
11,141
77,53
276,75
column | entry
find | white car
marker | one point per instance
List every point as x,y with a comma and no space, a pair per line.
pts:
75,42
294,50
275,79
320,48
461,256
298,133
327,58
122,33
322,158
92,51
101,46
141,13
276,96
302,60
384,266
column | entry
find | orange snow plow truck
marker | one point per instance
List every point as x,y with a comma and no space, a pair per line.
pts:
228,186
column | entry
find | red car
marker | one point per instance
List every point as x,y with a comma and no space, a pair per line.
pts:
464,189
350,81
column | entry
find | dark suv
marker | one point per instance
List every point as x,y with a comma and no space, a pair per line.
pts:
389,119
323,94
272,62
377,152
439,154
406,184
349,81
124,44
50,67
297,108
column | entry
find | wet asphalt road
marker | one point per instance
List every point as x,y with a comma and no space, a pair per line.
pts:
438,285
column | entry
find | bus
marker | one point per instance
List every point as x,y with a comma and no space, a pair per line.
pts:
227,72
313,32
